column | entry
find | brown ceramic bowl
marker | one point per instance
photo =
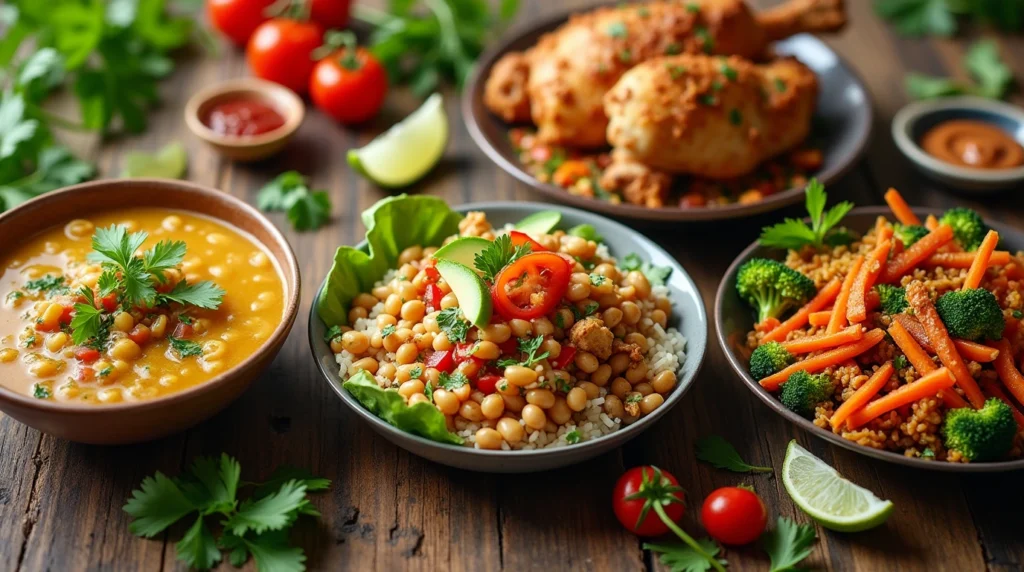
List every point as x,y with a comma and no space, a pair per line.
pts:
841,127
248,148
734,318
146,420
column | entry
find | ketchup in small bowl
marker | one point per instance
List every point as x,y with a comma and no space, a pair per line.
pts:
243,117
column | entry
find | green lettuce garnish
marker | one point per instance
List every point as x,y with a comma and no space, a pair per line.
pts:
392,225
422,419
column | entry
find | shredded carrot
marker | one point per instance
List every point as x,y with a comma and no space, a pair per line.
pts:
927,386
900,209
819,319
838,319
857,311
918,356
821,361
798,320
981,260
862,396
924,309
916,254
1008,373
993,389
964,260
968,350
769,324
824,341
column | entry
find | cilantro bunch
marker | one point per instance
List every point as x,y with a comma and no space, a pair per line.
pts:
257,526
794,234
289,192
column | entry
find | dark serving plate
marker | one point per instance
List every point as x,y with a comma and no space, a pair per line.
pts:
840,128
733,319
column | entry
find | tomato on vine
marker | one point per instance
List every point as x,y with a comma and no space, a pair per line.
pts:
348,83
734,515
237,19
281,51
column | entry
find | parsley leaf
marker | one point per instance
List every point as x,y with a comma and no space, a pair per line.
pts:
453,380
46,283
572,437
289,192
452,324
499,254
388,330
286,473
157,505
597,279
16,128
795,234
788,544
204,294
268,513
198,548
333,332
918,17
165,255
682,558
900,362
185,348
88,323
530,346
40,391
722,455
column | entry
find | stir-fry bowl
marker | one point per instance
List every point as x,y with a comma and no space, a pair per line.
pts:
734,318
687,315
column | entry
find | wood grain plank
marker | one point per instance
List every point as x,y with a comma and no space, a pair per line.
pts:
19,468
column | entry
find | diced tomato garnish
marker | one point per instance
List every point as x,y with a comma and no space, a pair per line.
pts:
85,374
67,315
441,361
518,238
488,383
87,355
563,359
431,271
139,334
109,302
432,297
463,352
509,346
46,328
183,330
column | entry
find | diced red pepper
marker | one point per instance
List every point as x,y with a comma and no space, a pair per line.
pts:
85,374
87,355
183,330
431,271
67,315
139,334
488,383
441,361
509,346
432,297
463,352
563,359
109,302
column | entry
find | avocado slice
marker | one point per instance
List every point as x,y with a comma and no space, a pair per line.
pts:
469,290
539,223
462,250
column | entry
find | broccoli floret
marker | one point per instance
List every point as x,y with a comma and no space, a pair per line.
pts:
909,233
968,227
893,298
768,359
984,434
802,391
772,287
971,314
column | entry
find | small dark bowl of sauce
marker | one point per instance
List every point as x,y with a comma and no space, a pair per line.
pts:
967,143
245,119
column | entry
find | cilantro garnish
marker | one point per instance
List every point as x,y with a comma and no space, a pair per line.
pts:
332,332
900,362
428,390
673,49
452,381
415,372
788,543
1017,314
728,71
589,310
572,437
185,348
795,234
498,255
88,323
40,391
780,85
105,371
617,30
257,526
656,275
722,455
529,347
289,192
735,116
682,558
634,398
46,283
705,39
451,323
927,453
388,330
597,279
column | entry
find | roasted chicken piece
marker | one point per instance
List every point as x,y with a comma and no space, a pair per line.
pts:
560,83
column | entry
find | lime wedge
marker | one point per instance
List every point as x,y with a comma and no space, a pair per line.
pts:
169,162
407,151
821,492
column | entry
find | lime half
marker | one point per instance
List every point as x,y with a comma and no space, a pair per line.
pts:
821,492
407,151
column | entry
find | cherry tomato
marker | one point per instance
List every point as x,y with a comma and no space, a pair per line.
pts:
488,383
280,50
349,85
237,19
734,515
441,361
330,13
564,358
432,297
531,286
87,355
639,486
519,238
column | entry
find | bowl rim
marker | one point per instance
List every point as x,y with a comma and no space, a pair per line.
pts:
626,432
294,112
289,269
773,403
485,63
909,115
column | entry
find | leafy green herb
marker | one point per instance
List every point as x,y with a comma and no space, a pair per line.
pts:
643,12
332,332
29,341
656,275
735,117
900,362
187,320
586,232
415,372
634,398
707,99
617,30
530,347
451,322
939,17
722,455
387,330
682,558
693,7
15,295
706,41
88,322
673,49
428,390
452,381
185,348
788,544
597,279
170,162
795,234
40,391
626,56
675,72
258,526
562,384
728,71
499,254
927,453
984,64
1018,314
289,192
105,371
46,283
572,437
780,85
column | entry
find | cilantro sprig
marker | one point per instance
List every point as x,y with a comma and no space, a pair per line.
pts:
89,326
257,526
788,544
720,453
289,192
529,347
499,254
794,234
452,323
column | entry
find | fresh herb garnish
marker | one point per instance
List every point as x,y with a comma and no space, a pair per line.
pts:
982,60
572,437
332,332
257,526
530,347
428,390
728,71
499,254
795,234
185,348
387,330
588,310
88,322
705,39
617,30
900,362
626,56
634,398
46,283
586,232
562,384
707,99
452,381
453,325
40,391
722,455
939,17
693,7
735,116
682,558
415,372
673,49
927,453
597,279
1017,314
656,275
306,209
105,371
29,341
788,544
674,71
780,85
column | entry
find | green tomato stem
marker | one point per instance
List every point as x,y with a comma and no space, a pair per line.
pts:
686,537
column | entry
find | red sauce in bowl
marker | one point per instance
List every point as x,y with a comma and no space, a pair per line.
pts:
243,118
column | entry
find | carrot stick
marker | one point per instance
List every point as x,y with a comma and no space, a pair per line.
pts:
824,341
1010,375
993,389
900,208
927,386
981,260
931,223
863,395
918,357
819,319
917,253
838,319
963,260
798,320
968,350
857,310
823,360
769,324
917,295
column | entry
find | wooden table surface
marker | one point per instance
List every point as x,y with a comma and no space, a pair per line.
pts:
60,502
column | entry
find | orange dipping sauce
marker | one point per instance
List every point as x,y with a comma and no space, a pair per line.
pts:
976,144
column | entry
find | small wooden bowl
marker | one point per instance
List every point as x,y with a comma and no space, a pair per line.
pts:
253,147
145,420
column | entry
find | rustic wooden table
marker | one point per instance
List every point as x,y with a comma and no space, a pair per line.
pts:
60,503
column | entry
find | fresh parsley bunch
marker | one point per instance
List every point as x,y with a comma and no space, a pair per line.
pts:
794,234
257,526
289,192
939,17
982,61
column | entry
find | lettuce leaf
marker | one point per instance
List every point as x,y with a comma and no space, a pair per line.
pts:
422,419
392,225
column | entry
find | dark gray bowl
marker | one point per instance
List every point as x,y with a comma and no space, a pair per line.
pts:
841,127
687,315
733,319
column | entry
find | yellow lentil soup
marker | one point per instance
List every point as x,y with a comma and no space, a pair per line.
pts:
215,297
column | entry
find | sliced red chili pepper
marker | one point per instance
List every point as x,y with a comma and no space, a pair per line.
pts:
441,361
563,359
531,286
432,297
87,355
488,383
519,238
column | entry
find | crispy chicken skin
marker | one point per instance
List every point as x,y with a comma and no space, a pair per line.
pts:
709,116
560,83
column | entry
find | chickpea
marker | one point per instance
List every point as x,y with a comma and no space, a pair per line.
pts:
664,381
45,367
441,342
560,412
602,375
417,398
214,350
619,363
506,388
125,349
607,270
637,280
664,304
387,371
520,376
463,393
637,372
651,402
492,406
355,342
643,388
486,350
367,364
430,323
376,340
449,301
446,401
577,398
613,407
413,310
553,348
432,375
510,430
470,411
534,417
424,341
54,342
577,292
576,246
587,362
620,387
612,317
410,254
542,398
591,390
521,328
7,355
660,317
513,403
404,372
469,368
630,312
543,327
487,438
381,293
365,300
410,387
497,333
406,353
637,339
406,287
159,326
393,305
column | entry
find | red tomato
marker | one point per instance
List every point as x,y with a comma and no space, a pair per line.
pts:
66,315
518,238
431,271
330,13
183,330
237,19
509,346
734,515
280,51
87,355
563,359
638,486
432,297
139,335
531,286
109,302
441,361
350,88
488,383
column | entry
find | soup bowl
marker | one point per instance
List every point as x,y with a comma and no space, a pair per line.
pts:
146,419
